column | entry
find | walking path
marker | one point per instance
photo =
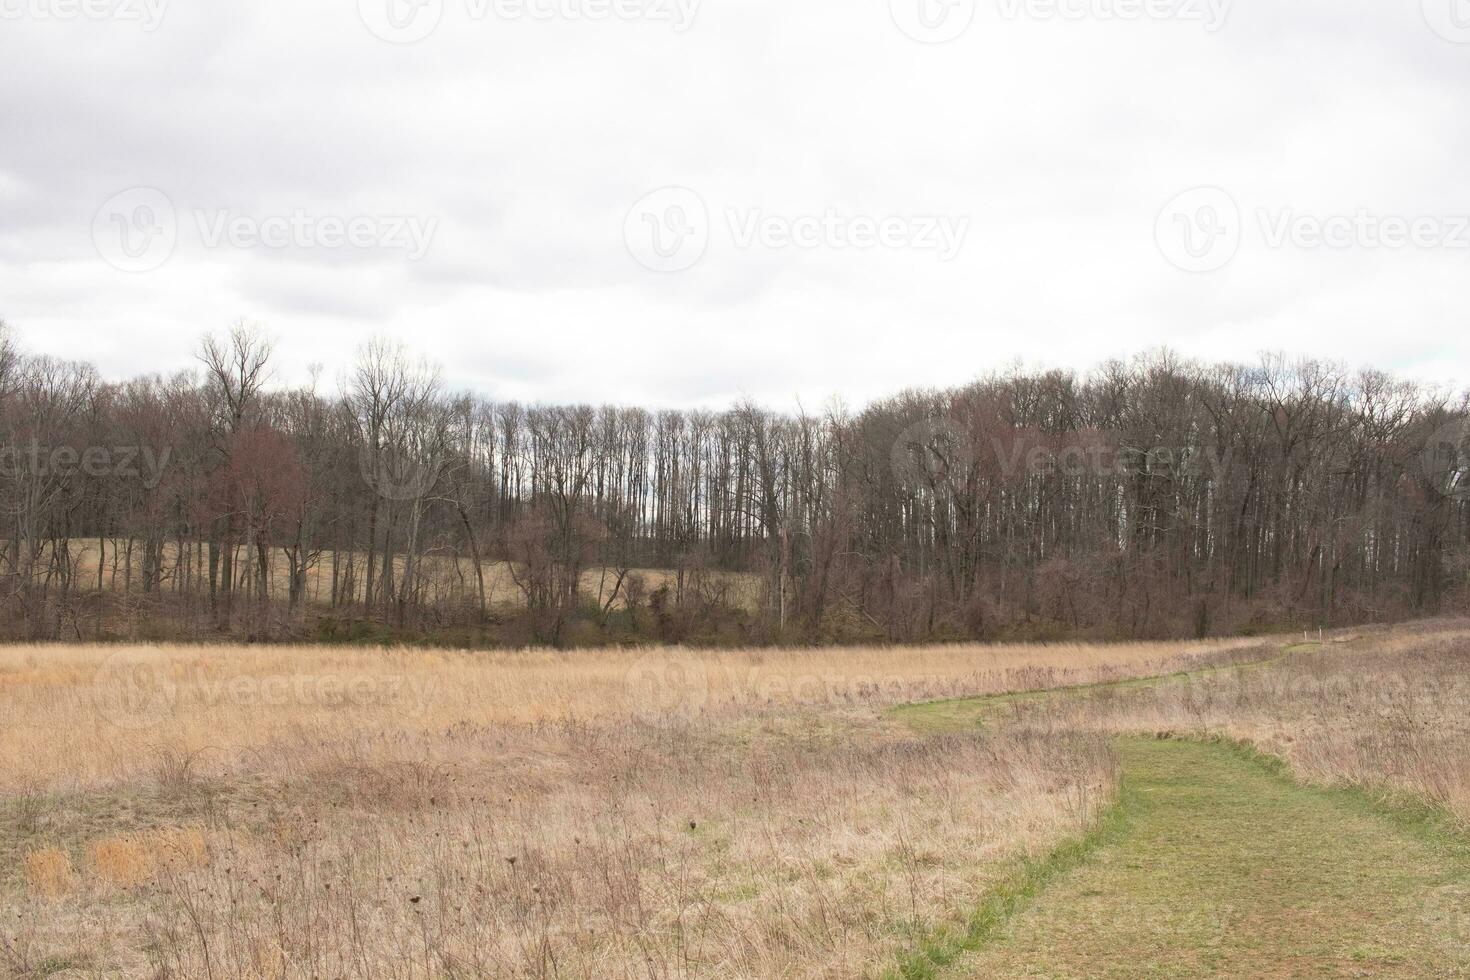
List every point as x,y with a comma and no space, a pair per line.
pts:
1216,863
1227,869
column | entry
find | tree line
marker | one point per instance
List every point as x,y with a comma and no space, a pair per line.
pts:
1153,497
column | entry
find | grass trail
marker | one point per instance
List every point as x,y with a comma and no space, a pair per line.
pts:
1226,867
960,713
1216,863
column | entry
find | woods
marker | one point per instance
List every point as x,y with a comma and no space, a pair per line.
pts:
1150,498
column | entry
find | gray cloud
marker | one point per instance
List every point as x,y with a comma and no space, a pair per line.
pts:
529,141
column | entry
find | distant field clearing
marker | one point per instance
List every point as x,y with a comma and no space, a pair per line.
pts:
115,565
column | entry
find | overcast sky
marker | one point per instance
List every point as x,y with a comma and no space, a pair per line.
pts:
673,202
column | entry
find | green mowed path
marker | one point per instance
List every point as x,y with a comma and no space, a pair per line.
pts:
1223,867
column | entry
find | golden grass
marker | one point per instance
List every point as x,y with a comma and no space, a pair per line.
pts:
49,872
89,715
128,860
1382,710
266,812
281,811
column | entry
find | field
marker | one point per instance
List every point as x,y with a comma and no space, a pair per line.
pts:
113,565
274,812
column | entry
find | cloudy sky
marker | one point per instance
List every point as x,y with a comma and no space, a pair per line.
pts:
675,202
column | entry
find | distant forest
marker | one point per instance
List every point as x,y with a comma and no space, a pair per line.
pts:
1156,497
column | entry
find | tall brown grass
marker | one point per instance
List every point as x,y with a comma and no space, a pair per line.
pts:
1385,711
93,715
280,812
272,812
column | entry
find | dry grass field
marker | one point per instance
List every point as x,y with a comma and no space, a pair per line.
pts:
1382,710
272,812
89,715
